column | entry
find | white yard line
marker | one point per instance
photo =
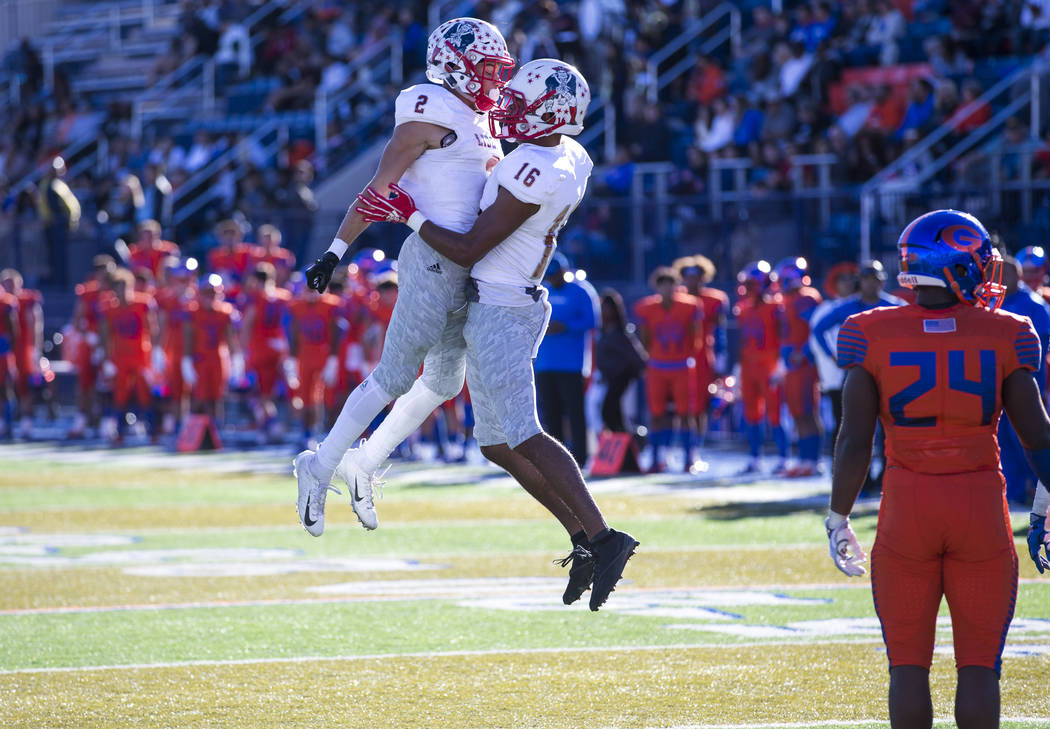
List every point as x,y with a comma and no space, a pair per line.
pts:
439,654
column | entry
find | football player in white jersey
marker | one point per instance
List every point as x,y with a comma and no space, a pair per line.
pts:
442,151
526,201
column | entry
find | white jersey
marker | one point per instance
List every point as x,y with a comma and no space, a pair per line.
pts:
447,182
555,178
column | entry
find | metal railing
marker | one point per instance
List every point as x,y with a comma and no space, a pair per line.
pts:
724,12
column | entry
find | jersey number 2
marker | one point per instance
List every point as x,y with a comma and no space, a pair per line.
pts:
983,387
420,103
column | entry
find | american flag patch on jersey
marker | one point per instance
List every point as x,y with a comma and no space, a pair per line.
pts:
938,326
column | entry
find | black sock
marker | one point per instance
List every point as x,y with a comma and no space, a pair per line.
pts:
580,539
602,536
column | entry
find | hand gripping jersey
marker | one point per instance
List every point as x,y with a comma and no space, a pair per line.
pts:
939,374
448,182
555,178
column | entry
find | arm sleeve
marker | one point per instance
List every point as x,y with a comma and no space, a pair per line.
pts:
852,345
1027,348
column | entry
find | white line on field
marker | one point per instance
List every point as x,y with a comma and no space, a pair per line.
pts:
1027,720
440,654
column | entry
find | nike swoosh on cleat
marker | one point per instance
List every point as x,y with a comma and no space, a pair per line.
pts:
306,514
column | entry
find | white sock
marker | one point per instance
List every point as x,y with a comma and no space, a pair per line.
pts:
408,413
360,409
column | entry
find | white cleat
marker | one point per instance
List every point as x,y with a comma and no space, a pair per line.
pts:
362,488
312,494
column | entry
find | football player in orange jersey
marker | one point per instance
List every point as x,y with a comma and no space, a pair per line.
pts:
264,338
30,336
150,250
315,347
696,273
230,258
669,327
128,327
937,374
759,316
176,290
208,341
91,295
801,383
269,250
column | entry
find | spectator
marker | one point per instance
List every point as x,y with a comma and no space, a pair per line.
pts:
563,361
707,82
715,126
234,55
157,195
779,122
968,120
59,211
887,27
887,113
794,63
619,358
856,116
919,113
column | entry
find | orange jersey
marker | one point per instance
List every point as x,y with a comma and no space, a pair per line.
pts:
130,343
209,328
230,261
270,309
151,258
8,307
939,374
760,324
28,300
672,331
313,320
92,298
176,313
714,305
798,307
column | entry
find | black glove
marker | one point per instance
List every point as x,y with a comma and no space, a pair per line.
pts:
319,274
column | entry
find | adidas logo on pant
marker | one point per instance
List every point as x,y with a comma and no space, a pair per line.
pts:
434,268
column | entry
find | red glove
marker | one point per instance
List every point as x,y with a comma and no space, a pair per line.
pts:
400,208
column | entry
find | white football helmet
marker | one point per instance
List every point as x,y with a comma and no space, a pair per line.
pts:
545,96
465,52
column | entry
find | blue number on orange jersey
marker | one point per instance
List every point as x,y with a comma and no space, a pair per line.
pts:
983,387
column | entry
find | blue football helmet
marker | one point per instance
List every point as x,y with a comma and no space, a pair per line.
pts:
792,273
951,249
1032,257
756,277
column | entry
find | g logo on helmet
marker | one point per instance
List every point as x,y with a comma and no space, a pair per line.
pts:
962,238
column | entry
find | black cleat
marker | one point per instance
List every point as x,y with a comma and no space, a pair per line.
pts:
580,573
610,557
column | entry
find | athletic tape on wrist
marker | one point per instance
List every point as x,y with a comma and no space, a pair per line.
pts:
338,247
415,221
1042,500
835,520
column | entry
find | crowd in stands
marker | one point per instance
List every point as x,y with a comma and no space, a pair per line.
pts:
795,84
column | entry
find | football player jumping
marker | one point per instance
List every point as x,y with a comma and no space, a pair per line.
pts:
526,201
442,152
937,373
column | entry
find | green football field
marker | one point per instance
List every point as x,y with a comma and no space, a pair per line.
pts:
142,589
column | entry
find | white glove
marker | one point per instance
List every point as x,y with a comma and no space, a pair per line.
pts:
159,360
189,373
278,344
91,338
330,373
777,376
845,550
355,358
237,367
291,371
97,355
108,369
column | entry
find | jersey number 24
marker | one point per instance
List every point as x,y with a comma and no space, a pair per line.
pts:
984,387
